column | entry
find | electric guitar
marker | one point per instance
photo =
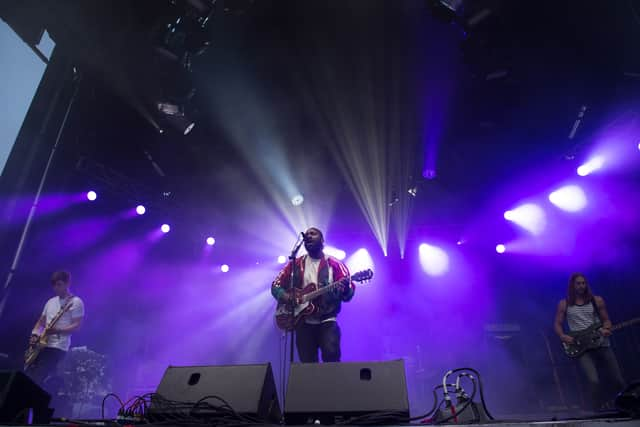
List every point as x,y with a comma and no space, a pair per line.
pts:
33,351
591,338
303,298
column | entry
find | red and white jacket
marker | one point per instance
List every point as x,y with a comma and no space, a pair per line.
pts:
329,304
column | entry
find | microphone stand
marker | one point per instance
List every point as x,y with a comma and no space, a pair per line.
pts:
291,307
292,299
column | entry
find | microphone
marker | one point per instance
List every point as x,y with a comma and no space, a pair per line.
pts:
296,248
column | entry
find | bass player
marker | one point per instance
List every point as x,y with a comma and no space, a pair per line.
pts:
583,310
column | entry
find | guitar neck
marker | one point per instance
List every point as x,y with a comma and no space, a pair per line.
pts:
57,317
625,324
359,277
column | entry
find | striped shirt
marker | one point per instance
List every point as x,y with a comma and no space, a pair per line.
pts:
580,317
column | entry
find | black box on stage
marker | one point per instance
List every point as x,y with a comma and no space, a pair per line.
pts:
249,389
22,400
332,392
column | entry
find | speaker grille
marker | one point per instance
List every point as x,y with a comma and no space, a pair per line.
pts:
346,389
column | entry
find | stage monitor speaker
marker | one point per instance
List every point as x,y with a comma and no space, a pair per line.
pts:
22,400
249,389
333,392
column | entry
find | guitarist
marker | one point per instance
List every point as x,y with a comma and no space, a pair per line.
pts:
58,337
320,330
582,310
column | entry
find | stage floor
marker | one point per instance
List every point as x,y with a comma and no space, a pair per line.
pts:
599,422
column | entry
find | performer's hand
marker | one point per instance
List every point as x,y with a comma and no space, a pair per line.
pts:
286,297
343,285
568,339
605,332
33,339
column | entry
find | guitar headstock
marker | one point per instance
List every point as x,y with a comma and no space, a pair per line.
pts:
362,276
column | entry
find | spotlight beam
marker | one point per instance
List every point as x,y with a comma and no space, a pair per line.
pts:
570,198
591,166
364,166
528,216
262,147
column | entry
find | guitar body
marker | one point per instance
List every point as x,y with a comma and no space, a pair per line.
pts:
32,353
590,338
584,340
304,306
285,320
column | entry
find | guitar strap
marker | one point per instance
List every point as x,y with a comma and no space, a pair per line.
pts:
596,313
323,272
605,340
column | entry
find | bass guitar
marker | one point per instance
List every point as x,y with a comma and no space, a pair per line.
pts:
590,338
287,319
34,349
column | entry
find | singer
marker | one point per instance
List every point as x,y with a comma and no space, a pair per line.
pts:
320,330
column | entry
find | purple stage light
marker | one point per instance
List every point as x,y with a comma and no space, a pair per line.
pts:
570,198
434,261
359,260
335,252
501,248
211,241
591,166
92,195
639,146
429,173
140,210
528,216
165,228
224,268
282,259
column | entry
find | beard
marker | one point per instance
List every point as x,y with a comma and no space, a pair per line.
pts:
313,247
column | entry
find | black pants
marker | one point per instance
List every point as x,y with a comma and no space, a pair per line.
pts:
602,372
324,336
44,370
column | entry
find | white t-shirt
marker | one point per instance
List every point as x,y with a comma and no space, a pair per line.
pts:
311,266
51,308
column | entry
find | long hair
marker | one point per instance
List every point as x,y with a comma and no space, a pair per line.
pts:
571,290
